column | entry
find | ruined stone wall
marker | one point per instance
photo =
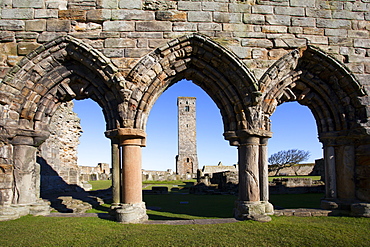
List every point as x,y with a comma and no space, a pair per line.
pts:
58,154
258,31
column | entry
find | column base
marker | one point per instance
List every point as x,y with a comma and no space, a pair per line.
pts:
131,213
258,211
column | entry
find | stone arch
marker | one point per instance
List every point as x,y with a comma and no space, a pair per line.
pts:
194,57
59,71
335,98
320,82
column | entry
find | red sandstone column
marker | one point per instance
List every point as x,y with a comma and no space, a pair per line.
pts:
131,141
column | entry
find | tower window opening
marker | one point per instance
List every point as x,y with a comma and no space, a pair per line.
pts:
187,108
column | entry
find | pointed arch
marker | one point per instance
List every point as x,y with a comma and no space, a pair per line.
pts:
320,82
194,57
59,71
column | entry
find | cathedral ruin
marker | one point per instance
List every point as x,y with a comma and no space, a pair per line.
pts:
248,56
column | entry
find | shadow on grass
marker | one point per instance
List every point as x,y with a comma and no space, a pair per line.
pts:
197,206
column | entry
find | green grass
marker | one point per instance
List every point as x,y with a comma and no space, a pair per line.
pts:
281,231
312,177
101,184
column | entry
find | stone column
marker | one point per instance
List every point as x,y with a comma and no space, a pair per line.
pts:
264,176
248,153
132,208
330,174
116,172
263,169
249,205
345,173
25,184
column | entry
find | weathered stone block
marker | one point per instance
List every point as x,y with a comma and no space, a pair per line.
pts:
136,53
26,36
214,6
265,43
330,23
303,22
159,5
46,13
227,17
121,26
262,9
58,25
36,25
26,47
336,32
170,15
98,15
199,16
6,36
363,43
209,27
107,4
48,36
189,6
28,3
119,43
184,26
56,4
23,14
240,8
8,48
254,19
130,4
147,26
289,11
349,15
278,20
314,31
274,29
72,14
302,3
290,43
241,52
141,15
313,39
318,13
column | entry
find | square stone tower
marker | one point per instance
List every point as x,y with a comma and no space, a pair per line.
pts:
187,159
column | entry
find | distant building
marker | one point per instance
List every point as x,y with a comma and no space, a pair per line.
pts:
186,159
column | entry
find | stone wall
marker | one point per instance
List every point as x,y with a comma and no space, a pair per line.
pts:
58,154
313,169
258,31
100,172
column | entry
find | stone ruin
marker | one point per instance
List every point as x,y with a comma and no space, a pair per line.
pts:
248,56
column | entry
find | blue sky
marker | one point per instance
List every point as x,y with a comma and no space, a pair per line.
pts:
293,126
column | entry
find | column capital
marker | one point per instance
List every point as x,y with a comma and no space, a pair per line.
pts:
128,136
247,137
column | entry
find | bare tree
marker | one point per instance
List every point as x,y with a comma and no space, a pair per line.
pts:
287,158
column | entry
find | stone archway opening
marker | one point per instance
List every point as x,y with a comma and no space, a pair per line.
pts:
294,127
162,145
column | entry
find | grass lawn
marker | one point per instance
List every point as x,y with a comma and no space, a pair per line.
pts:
281,231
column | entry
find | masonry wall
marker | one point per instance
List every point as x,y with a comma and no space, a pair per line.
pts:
58,154
257,31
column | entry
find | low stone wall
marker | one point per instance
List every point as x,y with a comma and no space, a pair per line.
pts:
168,175
312,169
